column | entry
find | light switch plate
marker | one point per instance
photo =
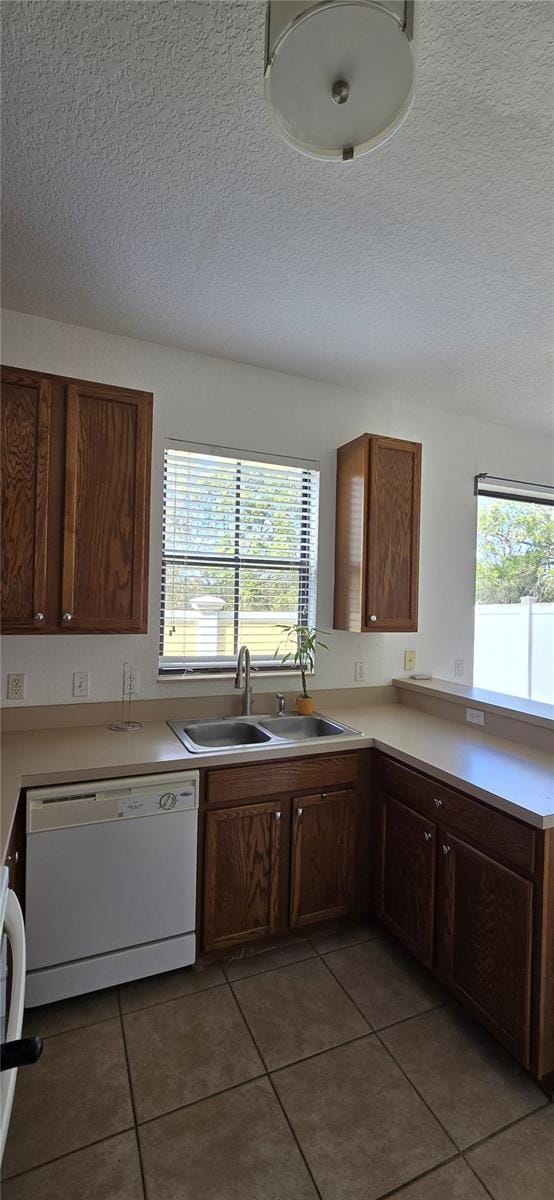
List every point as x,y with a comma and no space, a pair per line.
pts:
81,683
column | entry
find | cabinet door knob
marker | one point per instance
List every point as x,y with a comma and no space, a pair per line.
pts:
277,816
427,835
39,616
13,858
438,803
373,617
445,848
299,812
66,618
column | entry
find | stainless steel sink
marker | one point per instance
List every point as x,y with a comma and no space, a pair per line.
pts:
225,733
300,729
218,735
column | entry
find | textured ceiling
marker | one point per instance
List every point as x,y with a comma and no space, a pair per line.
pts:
146,192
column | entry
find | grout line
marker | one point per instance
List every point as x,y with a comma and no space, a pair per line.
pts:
233,1087
478,1177
68,1154
47,1037
277,1097
267,970
517,1121
296,1062
417,1178
128,1012
131,1093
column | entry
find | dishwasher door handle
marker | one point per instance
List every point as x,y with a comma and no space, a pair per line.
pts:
21,1053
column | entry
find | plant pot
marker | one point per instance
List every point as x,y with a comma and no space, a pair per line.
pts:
304,706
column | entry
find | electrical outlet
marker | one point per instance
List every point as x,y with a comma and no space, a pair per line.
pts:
458,668
81,683
475,716
409,660
16,687
360,671
131,678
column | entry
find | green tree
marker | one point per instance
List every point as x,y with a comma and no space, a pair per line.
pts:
515,551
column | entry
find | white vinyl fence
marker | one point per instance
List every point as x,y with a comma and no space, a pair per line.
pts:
514,649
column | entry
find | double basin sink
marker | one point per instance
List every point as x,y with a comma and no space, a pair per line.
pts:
228,733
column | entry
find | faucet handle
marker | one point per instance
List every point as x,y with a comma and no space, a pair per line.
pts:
280,703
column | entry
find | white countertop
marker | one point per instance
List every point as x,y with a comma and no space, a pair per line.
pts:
505,774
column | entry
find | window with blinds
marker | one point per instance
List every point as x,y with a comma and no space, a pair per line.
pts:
239,555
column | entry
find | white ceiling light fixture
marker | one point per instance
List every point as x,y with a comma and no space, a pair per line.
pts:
339,74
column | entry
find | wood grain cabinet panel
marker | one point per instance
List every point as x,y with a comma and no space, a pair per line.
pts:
25,461
105,560
407,872
75,501
377,535
242,874
484,940
322,868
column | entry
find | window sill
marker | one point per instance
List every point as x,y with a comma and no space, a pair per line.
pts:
534,711
216,676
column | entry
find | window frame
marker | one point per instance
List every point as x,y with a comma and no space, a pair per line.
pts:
306,564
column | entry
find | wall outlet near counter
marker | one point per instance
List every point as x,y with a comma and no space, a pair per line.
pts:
16,687
409,660
475,716
360,671
458,668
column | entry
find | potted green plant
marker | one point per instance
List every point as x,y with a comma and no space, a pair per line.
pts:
305,639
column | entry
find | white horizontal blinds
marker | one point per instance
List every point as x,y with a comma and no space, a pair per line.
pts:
513,489
239,556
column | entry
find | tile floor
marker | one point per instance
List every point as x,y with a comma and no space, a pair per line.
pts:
329,1068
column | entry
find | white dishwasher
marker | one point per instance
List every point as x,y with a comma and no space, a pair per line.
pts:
110,882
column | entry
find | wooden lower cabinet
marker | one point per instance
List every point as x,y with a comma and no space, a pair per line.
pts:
484,940
242,874
322,863
408,856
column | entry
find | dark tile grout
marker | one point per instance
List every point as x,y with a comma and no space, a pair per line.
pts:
267,970
131,1093
68,1154
277,1097
267,1074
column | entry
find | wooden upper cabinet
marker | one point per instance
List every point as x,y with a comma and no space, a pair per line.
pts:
105,531
76,494
377,535
25,461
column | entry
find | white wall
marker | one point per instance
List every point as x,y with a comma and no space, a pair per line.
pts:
205,399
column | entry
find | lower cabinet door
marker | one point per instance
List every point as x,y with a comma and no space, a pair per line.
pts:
322,868
484,940
407,872
242,874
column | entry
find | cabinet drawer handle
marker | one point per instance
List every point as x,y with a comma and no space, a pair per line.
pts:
428,836
39,617
277,816
373,617
445,848
438,803
66,618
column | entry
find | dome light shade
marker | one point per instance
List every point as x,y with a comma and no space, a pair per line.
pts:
339,76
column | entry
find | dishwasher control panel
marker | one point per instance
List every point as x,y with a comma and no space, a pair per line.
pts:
110,800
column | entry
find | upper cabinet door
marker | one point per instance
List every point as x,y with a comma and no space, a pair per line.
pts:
393,535
106,513
26,429
377,535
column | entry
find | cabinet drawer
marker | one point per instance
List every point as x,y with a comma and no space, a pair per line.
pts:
231,784
506,839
